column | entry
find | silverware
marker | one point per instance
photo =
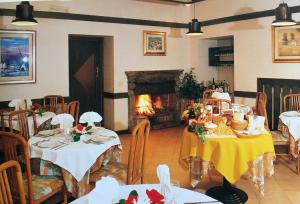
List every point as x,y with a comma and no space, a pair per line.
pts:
205,202
36,143
61,146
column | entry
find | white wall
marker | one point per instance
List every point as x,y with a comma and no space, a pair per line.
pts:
252,40
126,49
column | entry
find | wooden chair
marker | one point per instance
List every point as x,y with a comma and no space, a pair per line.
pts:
4,112
260,97
6,197
291,102
22,117
54,103
134,171
37,188
208,93
262,111
73,109
220,103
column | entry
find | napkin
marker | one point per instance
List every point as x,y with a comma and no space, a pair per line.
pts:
19,104
64,120
219,95
90,118
256,123
163,174
106,190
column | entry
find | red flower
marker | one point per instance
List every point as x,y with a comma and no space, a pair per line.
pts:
155,197
79,128
36,106
133,196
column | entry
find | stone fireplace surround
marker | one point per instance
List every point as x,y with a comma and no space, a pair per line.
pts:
151,82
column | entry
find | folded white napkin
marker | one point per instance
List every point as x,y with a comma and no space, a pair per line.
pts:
90,118
256,123
64,120
219,95
106,190
20,104
163,174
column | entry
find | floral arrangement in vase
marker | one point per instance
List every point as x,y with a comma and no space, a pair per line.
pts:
37,108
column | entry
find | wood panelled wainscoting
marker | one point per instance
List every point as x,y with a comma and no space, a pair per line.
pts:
276,89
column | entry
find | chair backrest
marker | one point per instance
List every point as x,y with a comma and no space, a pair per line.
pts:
54,103
4,112
22,117
208,93
220,103
262,111
73,109
291,102
137,152
6,196
15,148
260,96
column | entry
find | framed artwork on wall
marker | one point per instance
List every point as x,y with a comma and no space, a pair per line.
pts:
154,43
17,52
286,43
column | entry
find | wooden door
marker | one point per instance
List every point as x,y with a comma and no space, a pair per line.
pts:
86,73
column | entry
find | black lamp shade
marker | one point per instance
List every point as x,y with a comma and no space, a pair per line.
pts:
283,16
24,14
194,28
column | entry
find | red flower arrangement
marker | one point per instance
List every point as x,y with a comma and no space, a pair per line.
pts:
80,130
154,196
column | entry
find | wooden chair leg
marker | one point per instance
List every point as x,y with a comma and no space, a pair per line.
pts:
65,196
298,164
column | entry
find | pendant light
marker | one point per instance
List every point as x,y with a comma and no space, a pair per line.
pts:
24,15
194,26
283,16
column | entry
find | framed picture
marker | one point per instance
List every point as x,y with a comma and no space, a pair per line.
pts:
17,51
154,43
286,44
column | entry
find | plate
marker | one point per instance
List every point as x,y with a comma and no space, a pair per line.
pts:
46,133
290,114
47,144
247,134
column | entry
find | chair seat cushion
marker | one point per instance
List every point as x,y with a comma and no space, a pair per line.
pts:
44,185
116,170
278,138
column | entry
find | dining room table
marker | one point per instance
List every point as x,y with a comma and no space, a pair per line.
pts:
59,155
232,156
289,125
181,195
40,119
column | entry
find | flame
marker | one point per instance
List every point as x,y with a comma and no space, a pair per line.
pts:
158,104
144,105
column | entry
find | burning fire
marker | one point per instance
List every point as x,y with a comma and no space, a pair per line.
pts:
158,104
144,105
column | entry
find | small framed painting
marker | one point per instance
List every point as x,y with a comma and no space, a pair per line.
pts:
154,43
286,44
17,52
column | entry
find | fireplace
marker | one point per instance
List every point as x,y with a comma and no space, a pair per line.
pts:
153,95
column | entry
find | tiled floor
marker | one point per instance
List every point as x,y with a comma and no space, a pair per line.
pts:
164,146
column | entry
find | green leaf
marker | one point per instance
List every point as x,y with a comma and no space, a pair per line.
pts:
76,137
122,201
88,128
88,133
134,193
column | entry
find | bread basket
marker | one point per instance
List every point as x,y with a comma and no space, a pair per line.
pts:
239,125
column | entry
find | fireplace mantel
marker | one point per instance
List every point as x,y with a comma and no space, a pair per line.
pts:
154,76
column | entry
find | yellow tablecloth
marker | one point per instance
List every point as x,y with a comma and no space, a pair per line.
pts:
230,156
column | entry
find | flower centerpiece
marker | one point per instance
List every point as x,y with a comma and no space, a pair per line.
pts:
153,195
79,130
201,132
37,108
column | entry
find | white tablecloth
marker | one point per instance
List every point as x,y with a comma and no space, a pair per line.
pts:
219,95
292,120
39,120
181,194
77,158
